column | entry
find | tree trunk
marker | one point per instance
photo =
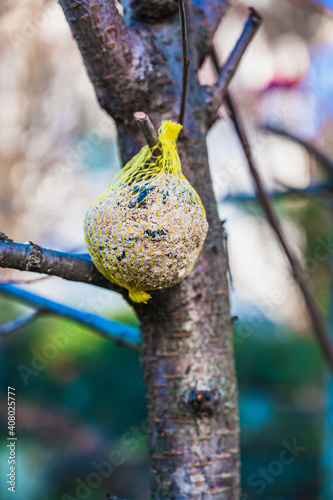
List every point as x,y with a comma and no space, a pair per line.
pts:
187,353
189,368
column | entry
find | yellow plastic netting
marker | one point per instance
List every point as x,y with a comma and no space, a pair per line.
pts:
147,229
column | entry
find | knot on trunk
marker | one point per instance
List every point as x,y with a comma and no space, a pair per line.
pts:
35,258
153,11
202,402
4,237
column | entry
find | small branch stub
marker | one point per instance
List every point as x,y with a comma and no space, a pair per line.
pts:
147,128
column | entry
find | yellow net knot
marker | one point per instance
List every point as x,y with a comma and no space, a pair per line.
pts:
137,295
169,131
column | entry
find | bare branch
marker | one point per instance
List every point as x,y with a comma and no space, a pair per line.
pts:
27,282
121,334
147,128
325,161
30,257
315,189
218,90
121,64
323,187
208,15
17,323
317,319
186,62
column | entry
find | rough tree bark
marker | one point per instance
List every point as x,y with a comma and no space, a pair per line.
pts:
187,354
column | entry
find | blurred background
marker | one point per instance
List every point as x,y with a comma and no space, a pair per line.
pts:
80,398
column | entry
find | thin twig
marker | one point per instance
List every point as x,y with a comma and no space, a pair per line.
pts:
26,282
324,160
147,128
312,189
186,61
121,334
17,323
317,319
228,70
226,73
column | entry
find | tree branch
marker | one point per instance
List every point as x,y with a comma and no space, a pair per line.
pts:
325,161
208,15
17,323
121,334
217,92
316,317
186,62
31,257
121,64
28,282
275,193
318,322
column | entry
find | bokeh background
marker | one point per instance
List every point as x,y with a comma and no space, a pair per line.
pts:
80,397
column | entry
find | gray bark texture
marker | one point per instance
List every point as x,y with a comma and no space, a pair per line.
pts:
135,64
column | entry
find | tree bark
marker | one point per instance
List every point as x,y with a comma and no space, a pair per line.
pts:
33,258
187,357
189,369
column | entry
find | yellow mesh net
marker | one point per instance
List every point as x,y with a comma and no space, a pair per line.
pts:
146,230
